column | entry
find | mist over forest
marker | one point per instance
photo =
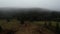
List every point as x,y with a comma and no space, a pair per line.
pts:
34,14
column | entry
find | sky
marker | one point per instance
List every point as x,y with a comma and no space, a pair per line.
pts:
47,4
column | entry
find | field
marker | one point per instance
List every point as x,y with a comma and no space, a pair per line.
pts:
36,27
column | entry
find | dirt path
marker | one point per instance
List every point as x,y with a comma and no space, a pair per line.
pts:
26,29
33,29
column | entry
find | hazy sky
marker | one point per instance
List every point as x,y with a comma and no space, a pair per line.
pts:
49,4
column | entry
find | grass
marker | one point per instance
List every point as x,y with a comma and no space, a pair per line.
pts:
14,22
15,25
9,25
53,23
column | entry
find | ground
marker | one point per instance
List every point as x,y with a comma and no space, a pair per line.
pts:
33,29
27,28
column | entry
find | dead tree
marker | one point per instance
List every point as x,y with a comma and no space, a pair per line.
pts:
49,23
45,24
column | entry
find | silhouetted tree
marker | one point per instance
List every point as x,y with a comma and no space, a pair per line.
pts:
57,26
1,29
22,18
7,18
22,21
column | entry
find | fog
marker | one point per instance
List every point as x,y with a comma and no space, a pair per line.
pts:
47,4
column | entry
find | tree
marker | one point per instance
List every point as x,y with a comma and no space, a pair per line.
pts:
1,29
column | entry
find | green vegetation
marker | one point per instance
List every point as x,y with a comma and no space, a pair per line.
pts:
14,22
